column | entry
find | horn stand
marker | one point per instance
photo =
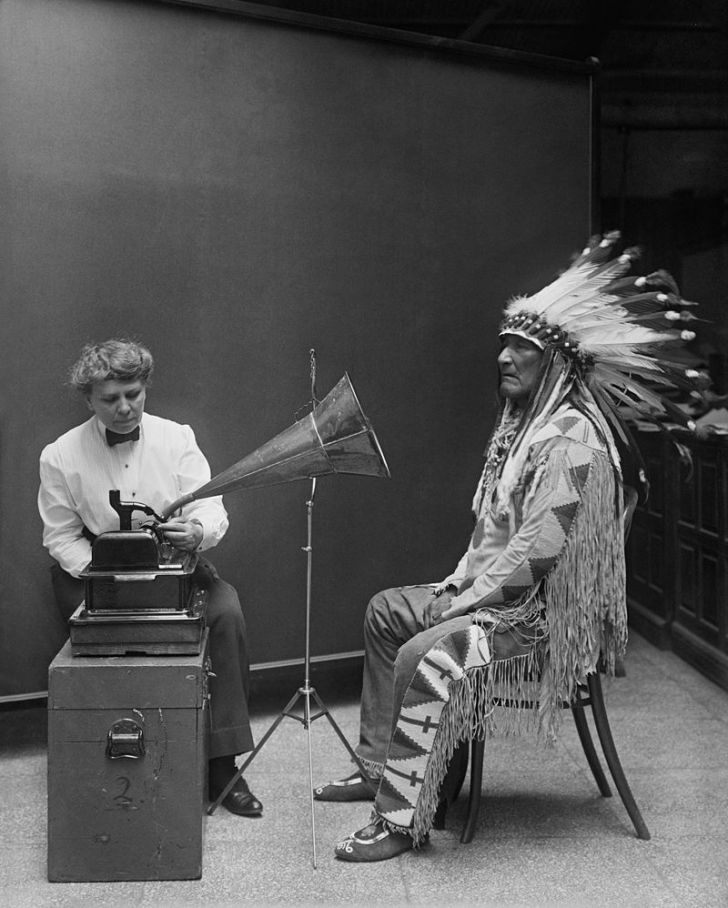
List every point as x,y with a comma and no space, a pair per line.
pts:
306,692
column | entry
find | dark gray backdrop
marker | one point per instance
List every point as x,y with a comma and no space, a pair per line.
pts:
233,191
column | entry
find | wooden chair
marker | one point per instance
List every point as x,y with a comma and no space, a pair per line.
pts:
589,694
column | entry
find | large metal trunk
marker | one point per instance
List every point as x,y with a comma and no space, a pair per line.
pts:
127,766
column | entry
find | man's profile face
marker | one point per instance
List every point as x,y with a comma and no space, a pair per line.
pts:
519,364
118,404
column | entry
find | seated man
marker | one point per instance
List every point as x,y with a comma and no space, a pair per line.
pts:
154,461
538,599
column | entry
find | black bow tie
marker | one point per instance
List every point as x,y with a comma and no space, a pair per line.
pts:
116,438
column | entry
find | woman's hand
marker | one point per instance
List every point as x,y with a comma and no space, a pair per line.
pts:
182,533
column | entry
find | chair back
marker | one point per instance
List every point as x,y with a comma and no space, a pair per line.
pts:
630,504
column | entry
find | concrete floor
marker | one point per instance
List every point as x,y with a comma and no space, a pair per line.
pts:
546,837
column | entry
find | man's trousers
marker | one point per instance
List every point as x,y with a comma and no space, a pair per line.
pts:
411,668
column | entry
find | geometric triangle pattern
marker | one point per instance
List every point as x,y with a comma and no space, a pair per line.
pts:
565,424
507,558
580,474
565,513
419,717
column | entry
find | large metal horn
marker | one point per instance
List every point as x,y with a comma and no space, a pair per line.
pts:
336,437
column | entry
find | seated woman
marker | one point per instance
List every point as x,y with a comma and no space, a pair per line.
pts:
154,461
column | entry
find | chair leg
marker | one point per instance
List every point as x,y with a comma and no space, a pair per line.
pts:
459,771
452,783
438,821
577,710
477,749
610,754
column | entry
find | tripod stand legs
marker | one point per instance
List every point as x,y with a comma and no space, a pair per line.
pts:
306,691
307,719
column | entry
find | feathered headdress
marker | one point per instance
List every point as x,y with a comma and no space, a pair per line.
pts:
624,335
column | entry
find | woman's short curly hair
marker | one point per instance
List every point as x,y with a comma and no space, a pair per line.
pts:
113,360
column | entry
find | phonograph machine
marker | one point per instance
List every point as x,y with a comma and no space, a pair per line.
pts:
139,594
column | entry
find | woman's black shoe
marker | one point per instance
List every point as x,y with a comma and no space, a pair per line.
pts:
239,800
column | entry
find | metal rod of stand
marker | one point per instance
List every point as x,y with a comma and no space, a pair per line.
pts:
307,689
308,549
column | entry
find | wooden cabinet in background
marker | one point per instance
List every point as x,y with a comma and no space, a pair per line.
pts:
677,555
